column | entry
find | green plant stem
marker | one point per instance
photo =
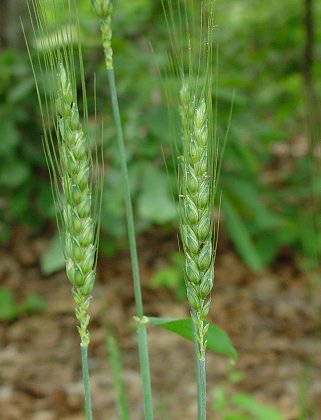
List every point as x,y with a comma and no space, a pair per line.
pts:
85,376
197,374
200,370
145,370
141,330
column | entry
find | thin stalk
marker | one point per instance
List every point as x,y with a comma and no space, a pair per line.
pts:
141,330
200,371
202,390
197,372
145,370
85,376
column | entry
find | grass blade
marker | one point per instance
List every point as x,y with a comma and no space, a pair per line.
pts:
217,339
116,370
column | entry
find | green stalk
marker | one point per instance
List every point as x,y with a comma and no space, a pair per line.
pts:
145,370
103,9
202,391
200,371
129,210
85,376
197,372
141,329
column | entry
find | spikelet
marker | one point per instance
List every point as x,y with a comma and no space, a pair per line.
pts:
195,223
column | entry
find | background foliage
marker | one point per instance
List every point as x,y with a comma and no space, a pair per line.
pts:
270,190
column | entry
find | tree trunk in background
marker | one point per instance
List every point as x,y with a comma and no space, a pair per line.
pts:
308,54
312,106
10,28
3,24
312,103
309,40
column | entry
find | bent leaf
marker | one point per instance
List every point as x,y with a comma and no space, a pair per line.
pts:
53,260
217,339
240,236
260,411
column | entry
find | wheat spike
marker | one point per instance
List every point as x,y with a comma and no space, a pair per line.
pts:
195,223
79,227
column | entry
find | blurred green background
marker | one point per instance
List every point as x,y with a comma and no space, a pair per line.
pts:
269,70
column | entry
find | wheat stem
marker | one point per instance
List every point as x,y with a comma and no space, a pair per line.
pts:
202,388
86,381
126,190
141,327
200,373
103,9
197,372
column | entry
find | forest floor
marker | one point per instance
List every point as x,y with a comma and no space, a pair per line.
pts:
272,319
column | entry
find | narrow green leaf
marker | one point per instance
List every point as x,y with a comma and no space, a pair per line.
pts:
260,411
149,203
235,416
240,236
8,308
9,136
14,173
217,339
53,260
21,90
33,304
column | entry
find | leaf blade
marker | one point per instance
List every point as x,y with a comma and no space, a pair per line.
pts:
217,339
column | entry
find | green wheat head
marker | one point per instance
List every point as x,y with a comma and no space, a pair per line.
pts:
193,65
68,151
76,199
195,225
